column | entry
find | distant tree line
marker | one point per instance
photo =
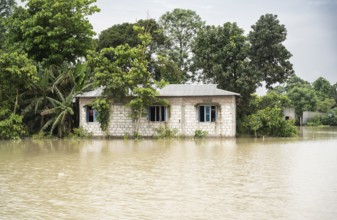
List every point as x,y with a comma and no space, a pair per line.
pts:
49,54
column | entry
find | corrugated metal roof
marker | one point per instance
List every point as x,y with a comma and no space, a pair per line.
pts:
174,90
95,93
178,90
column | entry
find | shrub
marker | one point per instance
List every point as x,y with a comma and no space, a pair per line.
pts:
316,121
166,132
11,126
137,135
41,135
126,136
269,122
80,133
330,118
200,134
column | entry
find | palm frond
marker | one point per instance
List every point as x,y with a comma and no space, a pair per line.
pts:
57,121
47,124
49,111
54,102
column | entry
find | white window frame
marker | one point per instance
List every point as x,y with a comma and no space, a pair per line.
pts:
207,114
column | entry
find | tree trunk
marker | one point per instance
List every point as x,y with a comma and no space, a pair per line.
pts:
16,101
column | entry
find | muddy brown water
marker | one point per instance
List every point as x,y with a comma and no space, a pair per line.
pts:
243,178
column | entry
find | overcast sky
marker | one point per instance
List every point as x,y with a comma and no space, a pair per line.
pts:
311,24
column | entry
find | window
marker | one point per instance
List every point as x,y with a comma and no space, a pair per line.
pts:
157,113
91,114
207,113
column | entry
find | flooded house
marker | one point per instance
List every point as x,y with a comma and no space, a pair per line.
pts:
190,108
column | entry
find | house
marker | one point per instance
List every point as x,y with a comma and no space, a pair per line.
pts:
289,113
190,108
309,115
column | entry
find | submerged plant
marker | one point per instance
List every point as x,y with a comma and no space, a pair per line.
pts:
200,134
165,132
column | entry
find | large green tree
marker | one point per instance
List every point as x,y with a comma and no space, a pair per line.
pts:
120,34
123,73
181,27
59,110
268,56
303,99
324,91
17,74
223,55
6,10
220,56
323,87
6,7
159,64
269,121
53,31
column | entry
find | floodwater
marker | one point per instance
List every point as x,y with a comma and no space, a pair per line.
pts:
243,178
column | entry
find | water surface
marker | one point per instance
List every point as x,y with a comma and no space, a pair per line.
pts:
244,178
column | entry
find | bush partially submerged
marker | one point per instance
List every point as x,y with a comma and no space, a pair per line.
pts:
200,134
165,132
11,126
269,122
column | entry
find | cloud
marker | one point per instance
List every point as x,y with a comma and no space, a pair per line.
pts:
322,2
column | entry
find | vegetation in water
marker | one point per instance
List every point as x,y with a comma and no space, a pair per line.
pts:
11,126
102,106
166,132
199,134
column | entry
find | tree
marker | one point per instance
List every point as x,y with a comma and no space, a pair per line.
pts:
220,56
17,73
162,68
53,31
70,81
123,73
295,81
274,100
323,87
116,35
334,92
303,99
11,126
181,26
159,64
324,105
35,99
324,91
6,9
253,122
120,34
268,55
269,121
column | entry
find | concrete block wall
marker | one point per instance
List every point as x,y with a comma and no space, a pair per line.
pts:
182,115
307,115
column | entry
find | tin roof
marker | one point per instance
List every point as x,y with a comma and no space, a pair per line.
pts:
174,90
178,90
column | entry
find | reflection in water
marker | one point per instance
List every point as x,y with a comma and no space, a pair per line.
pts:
244,178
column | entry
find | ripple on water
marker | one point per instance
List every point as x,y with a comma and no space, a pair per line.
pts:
213,179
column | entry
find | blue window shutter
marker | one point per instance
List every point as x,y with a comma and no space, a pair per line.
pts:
95,115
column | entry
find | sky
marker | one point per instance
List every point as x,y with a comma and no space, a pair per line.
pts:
311,24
